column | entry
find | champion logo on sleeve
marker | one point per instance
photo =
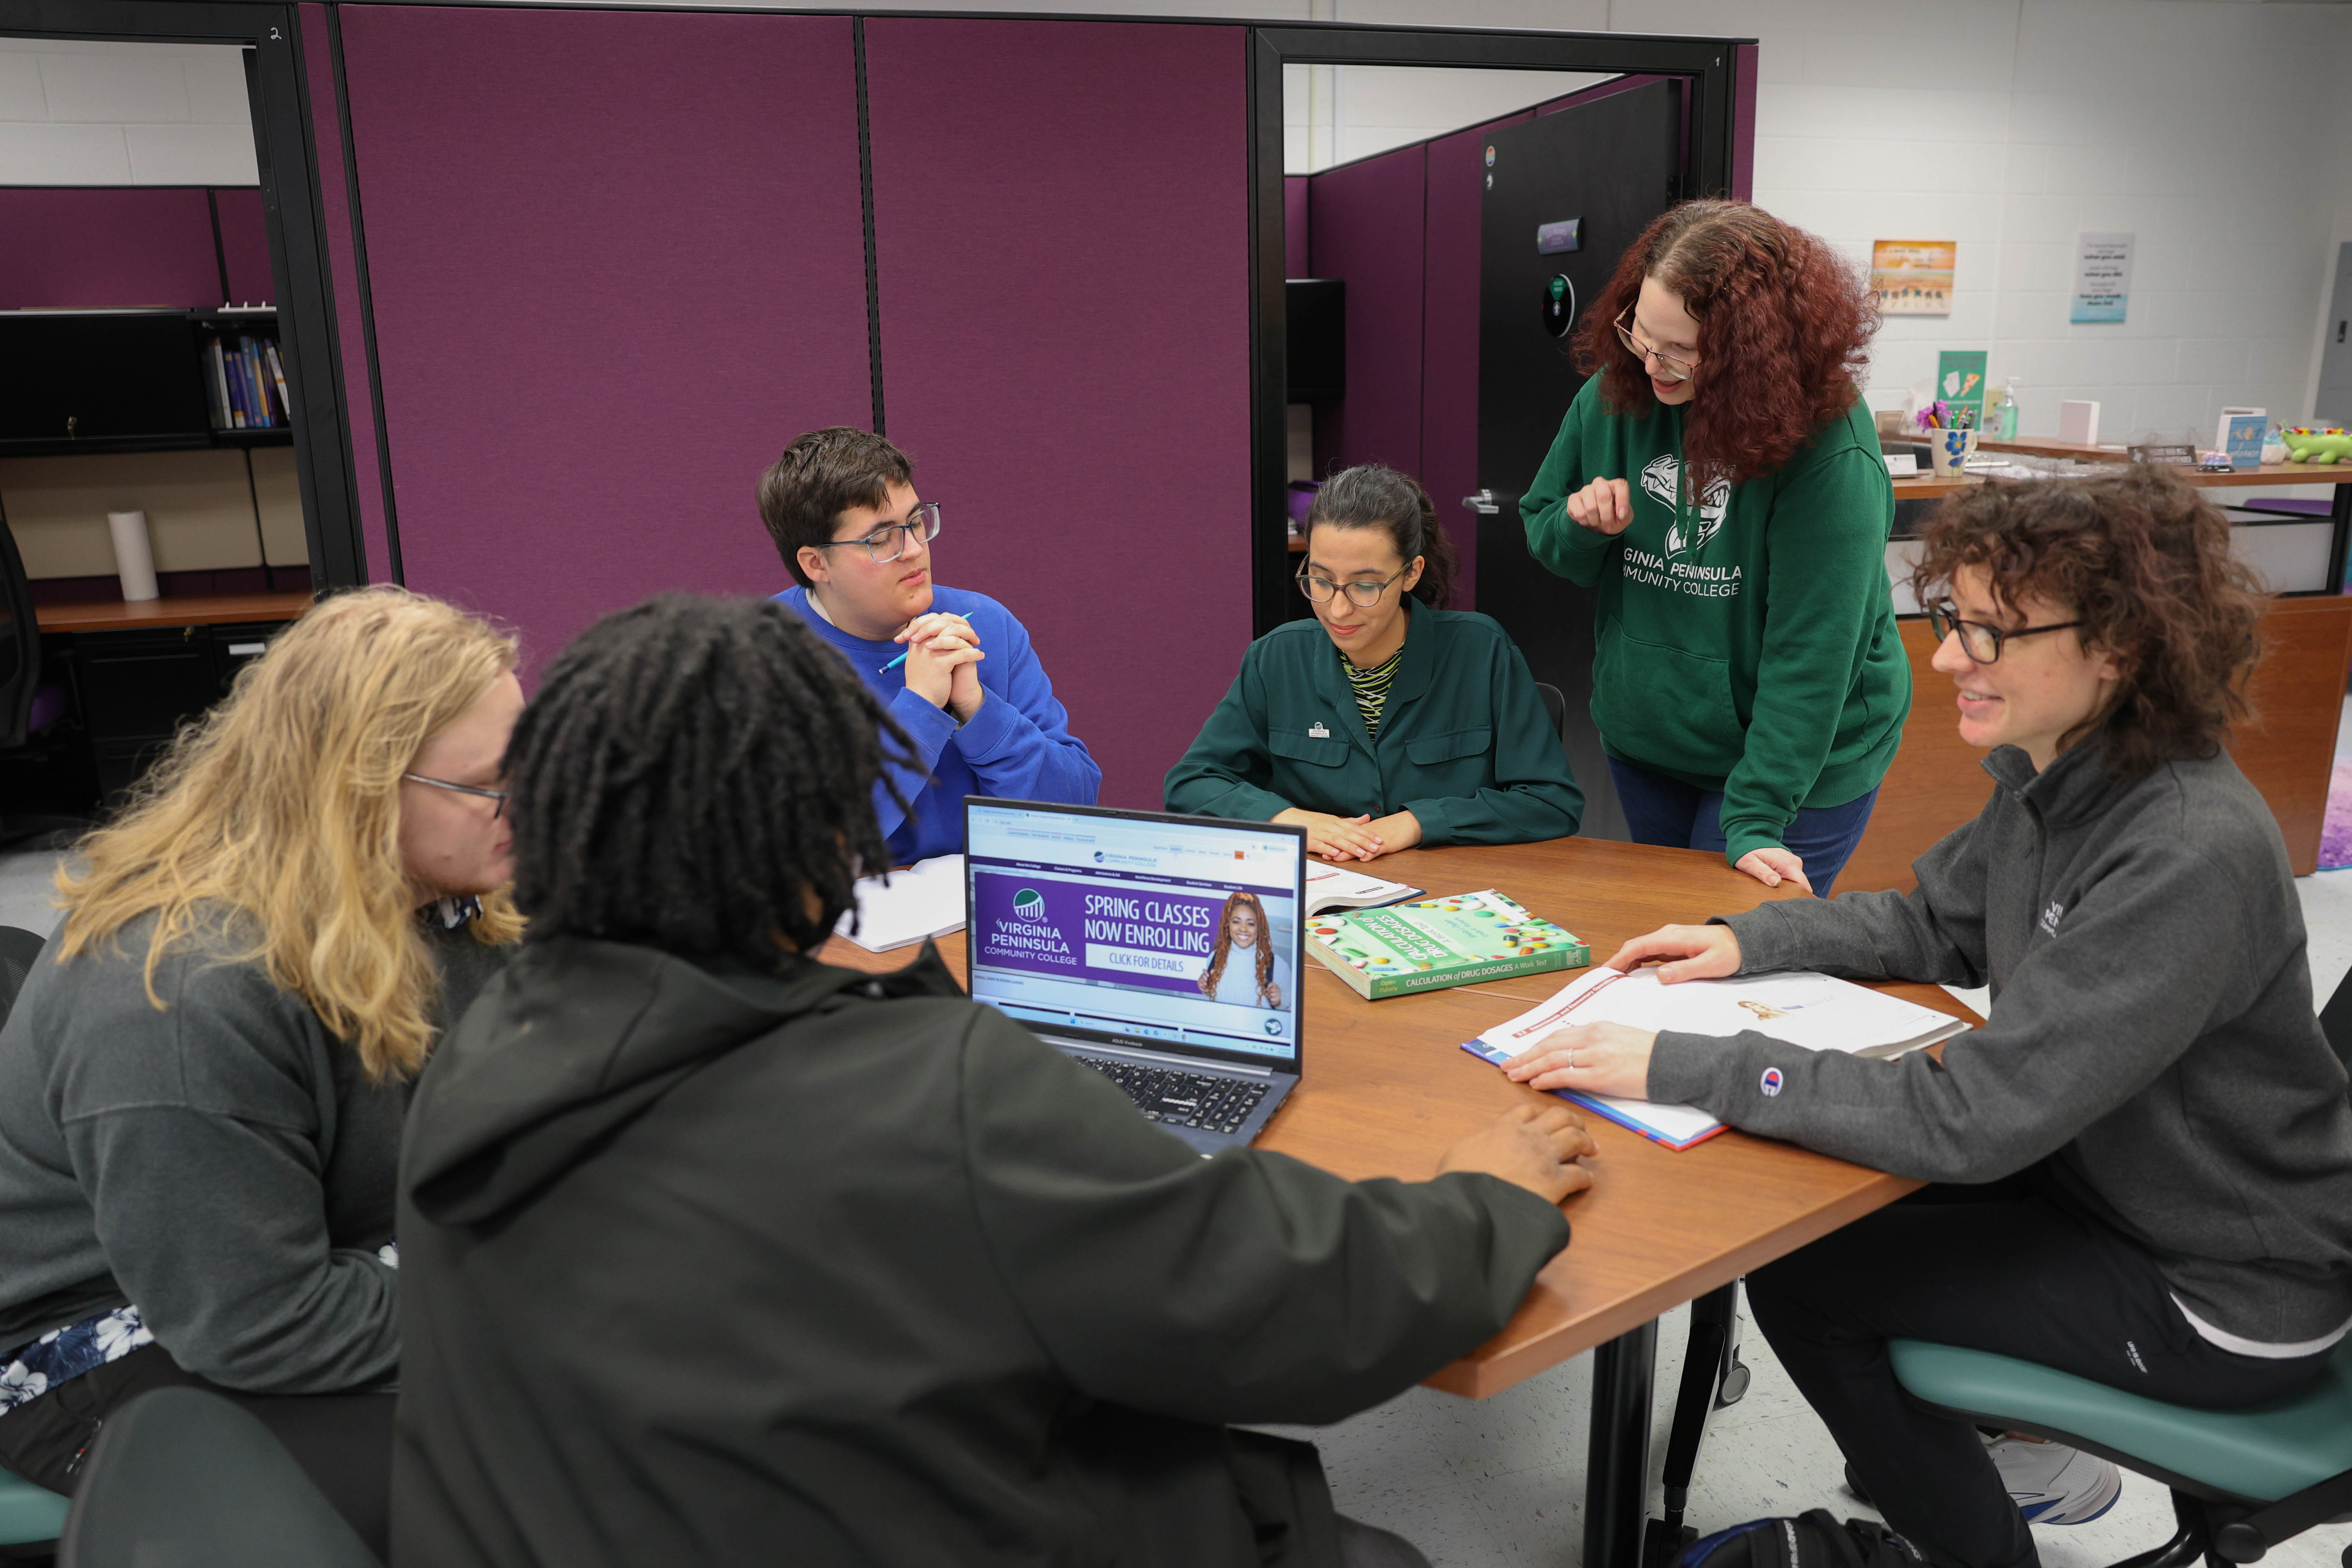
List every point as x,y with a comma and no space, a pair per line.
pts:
2050,917
1770,1082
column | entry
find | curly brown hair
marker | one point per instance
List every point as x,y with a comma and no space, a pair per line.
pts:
1784,323
2143,560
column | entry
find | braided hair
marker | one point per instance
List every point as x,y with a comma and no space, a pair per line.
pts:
697,775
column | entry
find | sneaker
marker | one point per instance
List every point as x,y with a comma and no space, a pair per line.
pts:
2055,1484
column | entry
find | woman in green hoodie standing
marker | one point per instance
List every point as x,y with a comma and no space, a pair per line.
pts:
1720,483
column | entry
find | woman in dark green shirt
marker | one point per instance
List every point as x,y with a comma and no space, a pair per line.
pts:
1386,721
1719,482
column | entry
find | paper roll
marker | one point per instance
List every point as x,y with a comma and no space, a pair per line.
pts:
134,562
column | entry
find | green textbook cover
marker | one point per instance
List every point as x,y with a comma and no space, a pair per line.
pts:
1437,942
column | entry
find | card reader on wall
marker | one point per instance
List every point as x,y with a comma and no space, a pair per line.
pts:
1315,334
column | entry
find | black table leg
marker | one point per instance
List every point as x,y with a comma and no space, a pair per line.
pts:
1617,1463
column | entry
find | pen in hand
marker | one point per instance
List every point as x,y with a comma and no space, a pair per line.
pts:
893,664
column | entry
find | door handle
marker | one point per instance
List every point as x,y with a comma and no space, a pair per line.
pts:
1483,503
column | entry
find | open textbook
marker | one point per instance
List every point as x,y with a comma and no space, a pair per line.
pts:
922,901
1329,887
1814,1011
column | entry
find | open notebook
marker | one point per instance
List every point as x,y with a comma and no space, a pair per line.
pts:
924,900
1814,1011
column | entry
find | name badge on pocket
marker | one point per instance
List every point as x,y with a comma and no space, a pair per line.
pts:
1316,731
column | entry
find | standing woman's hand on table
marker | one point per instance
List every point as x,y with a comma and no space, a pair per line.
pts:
1605,506
1774,866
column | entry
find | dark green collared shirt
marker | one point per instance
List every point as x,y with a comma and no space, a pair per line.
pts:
1463,741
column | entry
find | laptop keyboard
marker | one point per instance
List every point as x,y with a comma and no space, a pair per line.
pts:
1184,1099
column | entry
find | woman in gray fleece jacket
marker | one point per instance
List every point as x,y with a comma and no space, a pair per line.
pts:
202,1084
2144,1159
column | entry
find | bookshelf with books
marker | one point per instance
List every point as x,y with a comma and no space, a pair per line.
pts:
84,381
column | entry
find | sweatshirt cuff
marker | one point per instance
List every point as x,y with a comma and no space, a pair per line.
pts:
1436,821
929,728
991,730
1766,942
1751,836
1682,1069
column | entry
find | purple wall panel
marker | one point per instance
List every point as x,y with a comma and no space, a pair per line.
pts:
1449,374
1065,348
1365,224
107,249
617,262
351,340
1743,123
244,240
1294,226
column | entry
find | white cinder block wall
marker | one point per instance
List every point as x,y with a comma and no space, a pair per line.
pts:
77,112
2218,131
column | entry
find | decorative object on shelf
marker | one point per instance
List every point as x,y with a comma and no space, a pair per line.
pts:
2214,463
2164,454
2240,437
2318,444
1936,415
2078,422
135,558
2273,449
1960,383
2003,420
2102,277
1913,277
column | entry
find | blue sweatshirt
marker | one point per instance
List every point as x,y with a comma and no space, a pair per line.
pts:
1017,747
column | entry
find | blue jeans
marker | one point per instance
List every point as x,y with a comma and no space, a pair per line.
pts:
1661,810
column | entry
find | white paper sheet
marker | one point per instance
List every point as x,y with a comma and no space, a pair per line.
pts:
924,900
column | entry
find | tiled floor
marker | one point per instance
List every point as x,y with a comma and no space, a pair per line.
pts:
1501,1481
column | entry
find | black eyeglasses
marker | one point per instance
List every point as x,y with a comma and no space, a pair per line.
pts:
1364,595
888,542
1977,640
497,794
1669,367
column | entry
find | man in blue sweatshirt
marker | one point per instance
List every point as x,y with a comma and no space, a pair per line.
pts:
954,668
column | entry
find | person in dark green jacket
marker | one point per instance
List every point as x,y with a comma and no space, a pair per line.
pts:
1386,721
715,1254
1720,483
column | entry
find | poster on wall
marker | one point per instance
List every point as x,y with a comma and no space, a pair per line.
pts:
1960,387
2102,277
1913,277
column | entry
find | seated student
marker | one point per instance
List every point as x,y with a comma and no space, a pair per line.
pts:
2146,1151
714,1254
977,712
202,1084
1381,723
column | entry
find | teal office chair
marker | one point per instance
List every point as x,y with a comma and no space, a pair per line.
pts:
30,1516
2243,1480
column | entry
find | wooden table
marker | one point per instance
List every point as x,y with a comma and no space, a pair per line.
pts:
1384,1091
194,610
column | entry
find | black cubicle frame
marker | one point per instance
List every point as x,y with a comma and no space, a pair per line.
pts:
1708,67
279,98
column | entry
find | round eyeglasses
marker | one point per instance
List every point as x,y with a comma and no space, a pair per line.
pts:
1669,367
1977,640
1364,595
888,542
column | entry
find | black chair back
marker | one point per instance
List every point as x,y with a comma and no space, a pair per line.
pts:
2335,1022
20,644
1555,703
180,1476
19,951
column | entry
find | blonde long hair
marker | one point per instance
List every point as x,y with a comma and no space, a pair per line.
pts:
283,804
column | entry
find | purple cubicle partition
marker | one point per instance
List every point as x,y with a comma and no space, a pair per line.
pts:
616,262
107,247
1062,243
1364,225
1294,226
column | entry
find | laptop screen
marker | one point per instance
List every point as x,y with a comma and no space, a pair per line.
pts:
1174,933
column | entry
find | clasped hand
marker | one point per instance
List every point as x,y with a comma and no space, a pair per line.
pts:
1363,837
942,658
1614,1058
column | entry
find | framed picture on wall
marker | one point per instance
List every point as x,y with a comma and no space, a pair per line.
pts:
1913,277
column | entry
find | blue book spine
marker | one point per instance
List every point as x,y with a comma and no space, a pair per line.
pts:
232,367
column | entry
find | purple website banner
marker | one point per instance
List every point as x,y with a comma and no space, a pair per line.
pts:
1145,935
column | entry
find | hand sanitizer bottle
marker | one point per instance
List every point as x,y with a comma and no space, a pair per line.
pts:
2005,412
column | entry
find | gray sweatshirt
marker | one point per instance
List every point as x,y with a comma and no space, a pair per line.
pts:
2151,1033
223,1164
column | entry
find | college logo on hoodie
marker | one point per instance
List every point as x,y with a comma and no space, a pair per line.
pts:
1662,479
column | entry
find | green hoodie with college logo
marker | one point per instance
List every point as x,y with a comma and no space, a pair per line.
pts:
1745,638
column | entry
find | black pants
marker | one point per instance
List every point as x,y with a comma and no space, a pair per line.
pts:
2006,1269
343,1441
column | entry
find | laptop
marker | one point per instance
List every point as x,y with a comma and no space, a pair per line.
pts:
1162,951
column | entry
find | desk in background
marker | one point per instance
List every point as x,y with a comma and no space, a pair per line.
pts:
133,673
1385,1091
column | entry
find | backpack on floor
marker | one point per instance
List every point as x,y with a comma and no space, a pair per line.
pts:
1811,1539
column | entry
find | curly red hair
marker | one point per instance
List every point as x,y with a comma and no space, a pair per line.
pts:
1785,326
